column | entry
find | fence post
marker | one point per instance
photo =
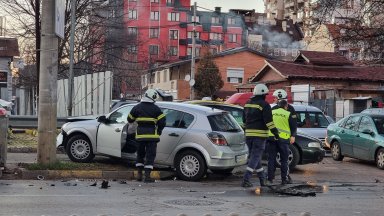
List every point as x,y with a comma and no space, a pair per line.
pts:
3,141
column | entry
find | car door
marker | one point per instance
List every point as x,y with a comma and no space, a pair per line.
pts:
363,142
110,134
348,134
176,126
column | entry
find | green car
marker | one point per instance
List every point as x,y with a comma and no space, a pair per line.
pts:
358,136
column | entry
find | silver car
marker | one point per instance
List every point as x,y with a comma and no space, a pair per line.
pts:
195,139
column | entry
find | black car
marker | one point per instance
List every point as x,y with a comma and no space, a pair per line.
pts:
306,149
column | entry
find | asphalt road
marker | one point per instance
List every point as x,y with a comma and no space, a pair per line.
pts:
346,188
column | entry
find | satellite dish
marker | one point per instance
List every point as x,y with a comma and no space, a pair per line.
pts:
192,82
187,78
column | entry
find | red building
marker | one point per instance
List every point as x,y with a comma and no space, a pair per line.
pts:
163,30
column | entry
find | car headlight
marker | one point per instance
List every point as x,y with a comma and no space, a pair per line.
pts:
314,145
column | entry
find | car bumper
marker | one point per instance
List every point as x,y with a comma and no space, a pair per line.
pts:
312,155
226,160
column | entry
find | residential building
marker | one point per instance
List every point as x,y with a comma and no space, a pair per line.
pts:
235,65
337,86
9,48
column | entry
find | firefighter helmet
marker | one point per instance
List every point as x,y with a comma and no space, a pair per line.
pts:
280,94
151,94
260,89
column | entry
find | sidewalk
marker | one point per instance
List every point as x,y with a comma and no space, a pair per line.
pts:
105,168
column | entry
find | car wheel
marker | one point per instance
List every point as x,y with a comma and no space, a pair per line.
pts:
293,157
336,151
190,166
380,159
79,149
222,171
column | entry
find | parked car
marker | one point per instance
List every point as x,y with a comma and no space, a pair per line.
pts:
195,139
358,136
118,103
306,149
374,111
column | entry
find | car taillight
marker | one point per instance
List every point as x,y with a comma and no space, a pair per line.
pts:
217,139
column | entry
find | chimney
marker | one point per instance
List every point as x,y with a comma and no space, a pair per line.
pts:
218,9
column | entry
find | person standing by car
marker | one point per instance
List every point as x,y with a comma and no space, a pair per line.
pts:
283,121
151,122
258,121
278,95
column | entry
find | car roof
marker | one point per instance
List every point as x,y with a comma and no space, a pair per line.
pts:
187,107
299,107
208,102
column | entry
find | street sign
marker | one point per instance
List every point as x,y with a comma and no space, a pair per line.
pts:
59,18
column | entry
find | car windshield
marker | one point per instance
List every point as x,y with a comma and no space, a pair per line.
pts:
379,123
311,120
223,122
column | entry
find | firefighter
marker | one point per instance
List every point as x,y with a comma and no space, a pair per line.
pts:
258,122
283,121
281,94
151,122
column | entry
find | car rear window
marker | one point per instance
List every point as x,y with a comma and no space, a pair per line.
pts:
223,122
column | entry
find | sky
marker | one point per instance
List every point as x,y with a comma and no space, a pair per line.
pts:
225,5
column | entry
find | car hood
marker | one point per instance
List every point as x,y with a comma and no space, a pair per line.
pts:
314,132
82,118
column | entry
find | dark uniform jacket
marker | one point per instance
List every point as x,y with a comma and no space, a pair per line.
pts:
293,119
150,121
257,118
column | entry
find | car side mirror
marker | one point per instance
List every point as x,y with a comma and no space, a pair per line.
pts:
102,119
368,131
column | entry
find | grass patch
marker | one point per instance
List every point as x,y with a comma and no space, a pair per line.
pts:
22,140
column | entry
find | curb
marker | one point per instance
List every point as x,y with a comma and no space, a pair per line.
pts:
88,174
28,150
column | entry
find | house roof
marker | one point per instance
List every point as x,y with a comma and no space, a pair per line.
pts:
9,47
323,58
293,70
220,54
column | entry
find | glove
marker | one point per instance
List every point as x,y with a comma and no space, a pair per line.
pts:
277,137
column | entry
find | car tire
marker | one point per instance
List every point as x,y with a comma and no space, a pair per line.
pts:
79,149
190,166
336,151
380,159
222,171
293,157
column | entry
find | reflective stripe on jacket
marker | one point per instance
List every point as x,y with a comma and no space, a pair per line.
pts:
150,121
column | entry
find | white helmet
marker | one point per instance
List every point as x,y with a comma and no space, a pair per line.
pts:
260,89
151,94
280,94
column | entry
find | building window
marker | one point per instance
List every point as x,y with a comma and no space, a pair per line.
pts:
132,31
165,75
215,20
197,51
154,1
232,38
173,51
215,36
235,75
153,49
197,34
169,2
154,15
132,49
283,52
132,14
295,52
173,17
276,52
197,19
231,21
173,34
153,32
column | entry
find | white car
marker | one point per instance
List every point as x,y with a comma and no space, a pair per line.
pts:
195,139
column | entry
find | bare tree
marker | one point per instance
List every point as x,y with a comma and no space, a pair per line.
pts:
358,24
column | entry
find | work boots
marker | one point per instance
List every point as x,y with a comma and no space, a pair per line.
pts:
147,176
139,174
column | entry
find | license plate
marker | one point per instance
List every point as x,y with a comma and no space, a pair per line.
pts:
59,139
241,158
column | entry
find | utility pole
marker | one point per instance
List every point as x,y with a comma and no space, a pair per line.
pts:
192,81
47,117
71,57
